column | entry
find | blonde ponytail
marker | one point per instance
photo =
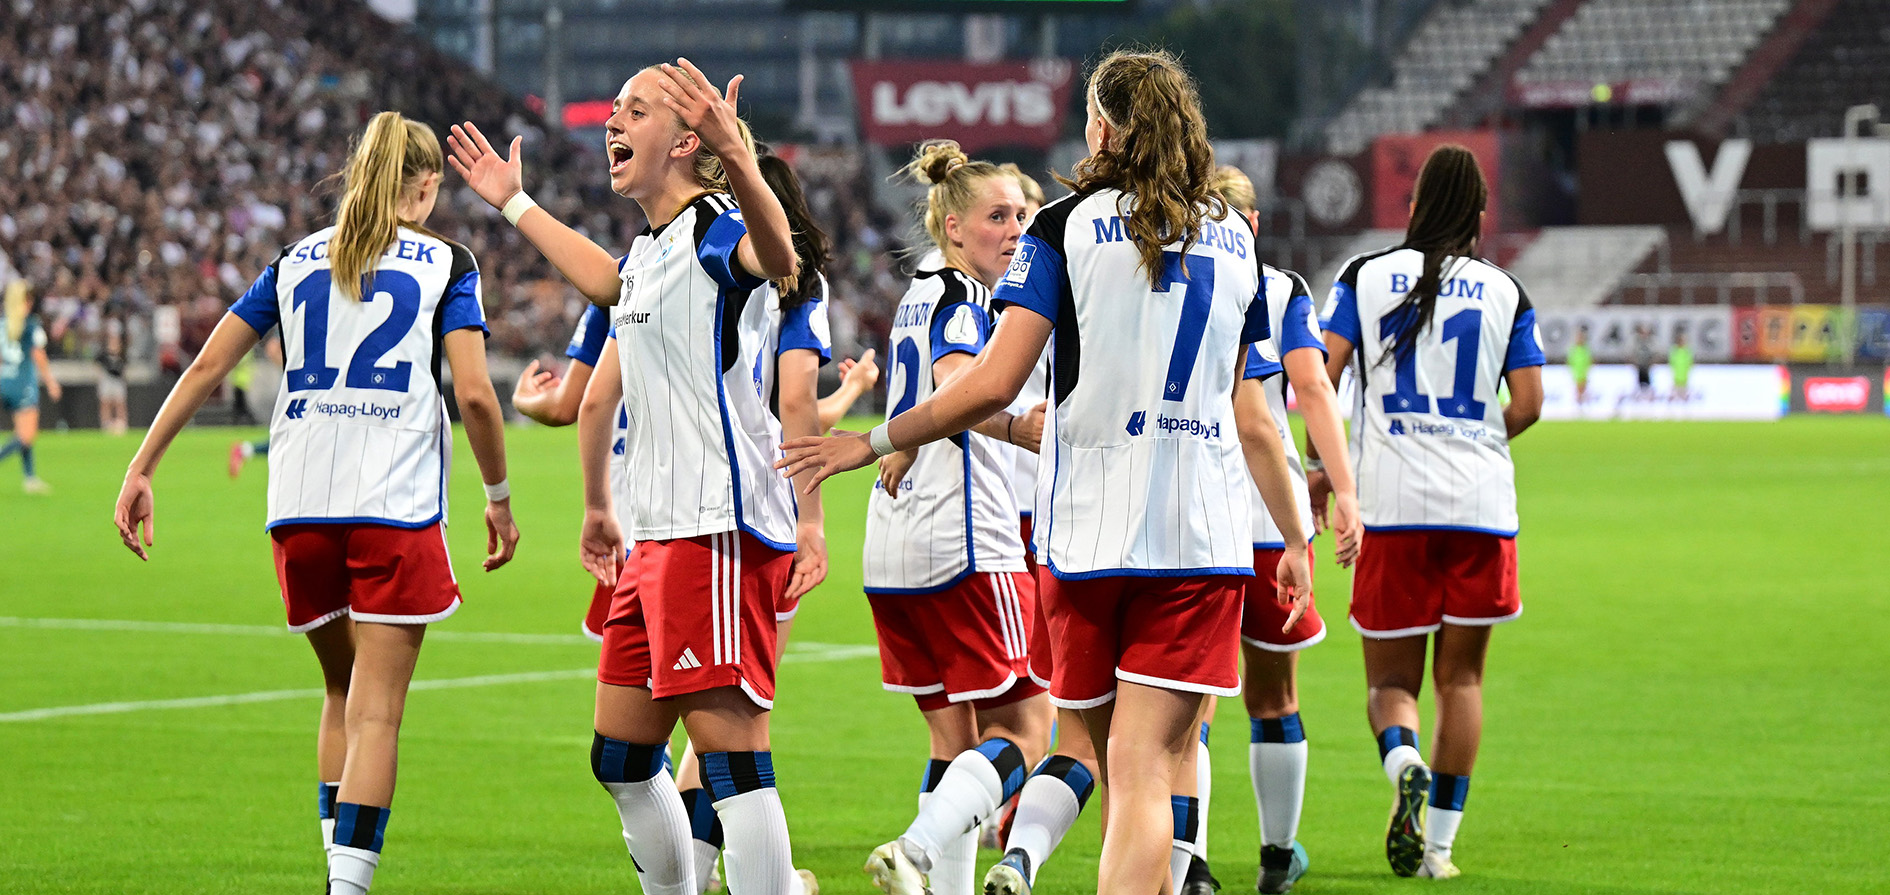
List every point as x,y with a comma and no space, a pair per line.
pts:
390,156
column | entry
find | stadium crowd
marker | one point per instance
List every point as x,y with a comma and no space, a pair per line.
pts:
154,157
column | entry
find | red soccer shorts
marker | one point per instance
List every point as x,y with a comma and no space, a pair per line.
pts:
1410,582
601,596
1030,553
1262,616
1176,633
376,573
693,614
967,643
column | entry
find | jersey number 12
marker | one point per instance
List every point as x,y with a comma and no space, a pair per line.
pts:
402,290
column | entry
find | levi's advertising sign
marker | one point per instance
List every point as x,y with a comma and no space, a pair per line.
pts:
980,105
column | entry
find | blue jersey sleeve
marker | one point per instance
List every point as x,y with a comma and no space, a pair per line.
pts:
960,327
588,341
258,306
460,307
716,251
1298,329
1034,281
1342,317
805,328
1525,349
1256,327
1258,366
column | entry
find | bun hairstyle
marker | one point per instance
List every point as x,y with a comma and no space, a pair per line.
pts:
386,162
1033,191
1446,221
1234,187
811,244
709,171
1160,155
953,177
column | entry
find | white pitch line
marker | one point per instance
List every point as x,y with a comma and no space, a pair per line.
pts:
150,627
813,653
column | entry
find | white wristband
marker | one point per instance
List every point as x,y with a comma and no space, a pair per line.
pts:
516,206
501,491
881,440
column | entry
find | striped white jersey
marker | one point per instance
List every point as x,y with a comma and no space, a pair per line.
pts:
1428,439
1023,462
1290,317
360,431
1144,475
587,345
701,441
955,514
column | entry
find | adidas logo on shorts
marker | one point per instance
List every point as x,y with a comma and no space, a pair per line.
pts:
687,662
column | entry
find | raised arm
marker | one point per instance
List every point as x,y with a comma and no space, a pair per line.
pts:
768,249
479,412
856,377
135,515
501,181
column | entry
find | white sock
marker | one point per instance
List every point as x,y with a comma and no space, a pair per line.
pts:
1279,788
1397,759
705,855
328,835
656,831
755,850
1440,830
1203,788
1046,810
969,791
1179,856
954,867
351,870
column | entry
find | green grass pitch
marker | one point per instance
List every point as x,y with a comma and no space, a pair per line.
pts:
1694,700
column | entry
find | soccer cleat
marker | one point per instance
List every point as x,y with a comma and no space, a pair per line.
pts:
1010,876
893,872
1436,866
1404,835
1199,880
237,459
36,485
1280,868
809,885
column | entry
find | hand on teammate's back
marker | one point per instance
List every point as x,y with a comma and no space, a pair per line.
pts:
495,179
711,115
501,534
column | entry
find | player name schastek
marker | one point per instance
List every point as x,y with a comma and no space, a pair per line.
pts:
300,407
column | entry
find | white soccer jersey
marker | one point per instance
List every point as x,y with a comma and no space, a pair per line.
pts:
955,514
1023,462
1145,472
702,441
360,431
587,345
1294,326
1428,439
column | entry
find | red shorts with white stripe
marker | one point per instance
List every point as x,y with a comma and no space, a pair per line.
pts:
1410,582
1175,633
967,643
376,573
1262,616
601,596
693,614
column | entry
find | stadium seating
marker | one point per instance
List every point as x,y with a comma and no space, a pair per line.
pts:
1846,61
1445,54
1695,42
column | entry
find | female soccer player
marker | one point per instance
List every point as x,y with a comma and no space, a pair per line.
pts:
692,630
1269,651
23,365
1137,527
366,308
1430,329
952,602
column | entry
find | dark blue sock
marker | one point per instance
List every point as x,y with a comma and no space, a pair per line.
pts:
360,826
617,761
934,772
325,800
1204,733
1393,737
1187,817
704,824
13,446
26,462
729,774
1285,729
1449,791
1073,775
259,449
1009,761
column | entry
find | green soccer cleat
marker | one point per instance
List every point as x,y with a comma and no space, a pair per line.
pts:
1438,866
1280,868
1404,835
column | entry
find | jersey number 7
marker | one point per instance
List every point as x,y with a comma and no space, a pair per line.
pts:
1196,302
